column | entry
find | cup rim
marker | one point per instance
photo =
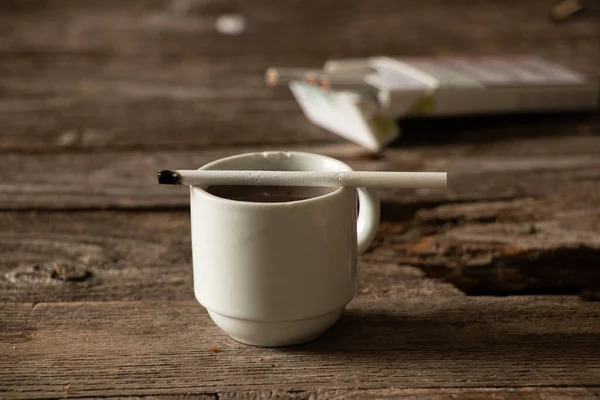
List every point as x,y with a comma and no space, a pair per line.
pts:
211,164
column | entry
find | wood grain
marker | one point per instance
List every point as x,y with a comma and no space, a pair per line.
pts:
103,256
525,246
149,28
536,393
530,393
519,216
157,75
494,170
96,297
95,256
151,348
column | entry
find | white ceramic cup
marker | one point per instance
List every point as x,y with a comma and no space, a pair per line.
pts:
278,274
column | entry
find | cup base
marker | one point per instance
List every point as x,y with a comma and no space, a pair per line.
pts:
275,334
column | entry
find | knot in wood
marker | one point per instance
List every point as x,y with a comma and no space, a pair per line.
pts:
69,272
48,274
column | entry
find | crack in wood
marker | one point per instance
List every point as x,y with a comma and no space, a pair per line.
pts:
502,247
550,272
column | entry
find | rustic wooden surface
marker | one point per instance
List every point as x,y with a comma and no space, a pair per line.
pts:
482,290
436,340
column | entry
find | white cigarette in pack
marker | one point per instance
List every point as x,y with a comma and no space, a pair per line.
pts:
282,75
336,80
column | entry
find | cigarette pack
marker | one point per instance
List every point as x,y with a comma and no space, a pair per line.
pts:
362,99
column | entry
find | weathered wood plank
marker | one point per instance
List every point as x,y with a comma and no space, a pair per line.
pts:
176,27
157,74
477,171
58,183
537,393
548,245
522,218
404,341
118,124
531,393
523,246
95,256
100,256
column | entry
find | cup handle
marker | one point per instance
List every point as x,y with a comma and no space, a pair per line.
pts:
368,218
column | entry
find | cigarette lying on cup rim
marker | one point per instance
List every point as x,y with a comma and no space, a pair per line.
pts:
399,180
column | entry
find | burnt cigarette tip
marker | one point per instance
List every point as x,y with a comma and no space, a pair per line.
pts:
168,177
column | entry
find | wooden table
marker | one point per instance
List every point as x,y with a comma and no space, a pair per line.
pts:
479,291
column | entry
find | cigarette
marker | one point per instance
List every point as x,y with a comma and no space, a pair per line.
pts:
341,82
398,180
354,65
282,76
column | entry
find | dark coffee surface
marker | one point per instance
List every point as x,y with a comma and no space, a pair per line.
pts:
268,194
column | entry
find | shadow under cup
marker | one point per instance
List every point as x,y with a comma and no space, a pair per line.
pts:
274,273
